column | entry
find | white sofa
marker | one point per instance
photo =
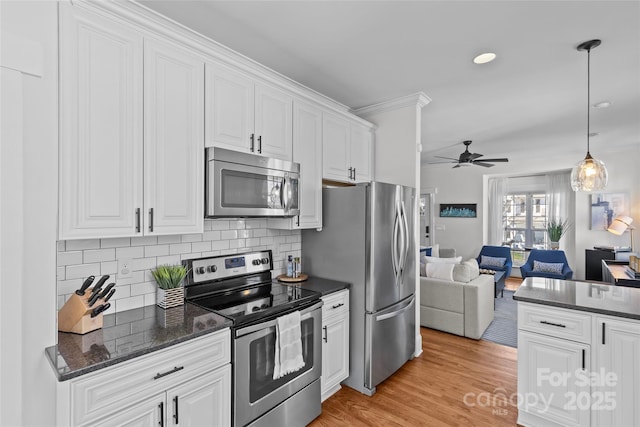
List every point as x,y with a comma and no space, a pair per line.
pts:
462,307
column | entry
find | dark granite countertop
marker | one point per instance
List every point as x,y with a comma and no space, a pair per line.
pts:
130,334
319,284
620,301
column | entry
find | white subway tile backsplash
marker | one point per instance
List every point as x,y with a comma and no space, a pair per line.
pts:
169,260
229,234
142,264
132,252
157,250
219,224
78,259
188,238
180,248
82,271
99,255
201,246
116,242
144,240
79,245
69,258
163,240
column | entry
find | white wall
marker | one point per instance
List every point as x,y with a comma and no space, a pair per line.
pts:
465,185
28,204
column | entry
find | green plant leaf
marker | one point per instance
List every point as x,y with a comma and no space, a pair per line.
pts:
169,276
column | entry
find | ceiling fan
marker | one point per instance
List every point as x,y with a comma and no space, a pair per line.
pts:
468,158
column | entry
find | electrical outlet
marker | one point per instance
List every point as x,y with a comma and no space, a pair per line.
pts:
124,268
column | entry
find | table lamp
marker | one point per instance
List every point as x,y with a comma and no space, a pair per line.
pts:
620,224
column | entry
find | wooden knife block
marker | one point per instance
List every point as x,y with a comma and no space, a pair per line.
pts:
75,315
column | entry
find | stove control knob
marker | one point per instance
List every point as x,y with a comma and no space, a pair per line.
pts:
255,308
212,268
255,262
264,306
200,270
265,260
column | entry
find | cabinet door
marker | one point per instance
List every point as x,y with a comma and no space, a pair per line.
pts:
229,120
361,153
273,122
100,126
547,372
307,150
205,401
148,413
618,367
336,135
173,140
335,353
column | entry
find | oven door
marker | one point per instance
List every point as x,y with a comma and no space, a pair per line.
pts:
256,392
236,190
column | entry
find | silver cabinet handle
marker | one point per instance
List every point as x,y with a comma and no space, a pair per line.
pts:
326,337
354,174
252,143
175,410
150,219
349,176
337,305
161,407
137,220
260,144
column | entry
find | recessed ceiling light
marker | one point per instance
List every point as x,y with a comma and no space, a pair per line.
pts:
602,104
483,58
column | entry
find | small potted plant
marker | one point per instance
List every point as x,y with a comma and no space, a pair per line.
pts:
170,290
556,227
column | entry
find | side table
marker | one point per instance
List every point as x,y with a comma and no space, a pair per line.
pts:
498,280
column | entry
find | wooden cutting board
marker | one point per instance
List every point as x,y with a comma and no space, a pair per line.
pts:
284,278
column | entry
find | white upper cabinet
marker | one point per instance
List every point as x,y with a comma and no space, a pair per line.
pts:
100,126
307,151
244,115
103,155
173,140
347,148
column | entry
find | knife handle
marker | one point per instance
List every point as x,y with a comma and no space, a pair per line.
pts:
106,290
92,300
108,297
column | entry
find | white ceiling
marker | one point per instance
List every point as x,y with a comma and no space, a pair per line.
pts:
531,100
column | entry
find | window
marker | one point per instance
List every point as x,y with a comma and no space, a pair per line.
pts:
524,218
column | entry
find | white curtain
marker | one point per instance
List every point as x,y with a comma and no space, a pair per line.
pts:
561,204
495,223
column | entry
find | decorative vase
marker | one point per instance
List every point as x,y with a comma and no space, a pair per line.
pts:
167,298
554,245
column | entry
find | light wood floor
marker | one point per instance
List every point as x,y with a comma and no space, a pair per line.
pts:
512,283
430,390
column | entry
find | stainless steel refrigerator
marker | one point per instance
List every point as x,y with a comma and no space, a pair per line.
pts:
368,240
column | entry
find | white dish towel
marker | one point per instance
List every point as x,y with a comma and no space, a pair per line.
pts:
288,352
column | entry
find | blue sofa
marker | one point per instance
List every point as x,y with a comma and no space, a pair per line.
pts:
548,256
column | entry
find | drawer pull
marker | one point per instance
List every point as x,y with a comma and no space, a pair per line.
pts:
603,329
559,325
337,305
164,374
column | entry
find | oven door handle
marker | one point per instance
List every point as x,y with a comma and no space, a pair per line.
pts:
304,314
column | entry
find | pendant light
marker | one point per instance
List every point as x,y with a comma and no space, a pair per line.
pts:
589,174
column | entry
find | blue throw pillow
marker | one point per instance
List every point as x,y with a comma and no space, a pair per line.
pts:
490,261
548,267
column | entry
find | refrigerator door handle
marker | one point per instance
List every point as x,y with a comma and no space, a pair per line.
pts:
406,239
403,242
395,313
394,247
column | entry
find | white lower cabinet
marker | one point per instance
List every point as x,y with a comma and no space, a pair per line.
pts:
335,342
577,368
188,384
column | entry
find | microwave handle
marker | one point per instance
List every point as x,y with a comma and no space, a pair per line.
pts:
285,197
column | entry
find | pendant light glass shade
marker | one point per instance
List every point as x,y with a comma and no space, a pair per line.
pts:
589,174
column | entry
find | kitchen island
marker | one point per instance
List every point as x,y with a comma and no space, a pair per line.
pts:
578,353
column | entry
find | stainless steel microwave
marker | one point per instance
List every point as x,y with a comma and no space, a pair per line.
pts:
246,185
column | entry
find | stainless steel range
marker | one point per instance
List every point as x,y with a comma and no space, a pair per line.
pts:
240,287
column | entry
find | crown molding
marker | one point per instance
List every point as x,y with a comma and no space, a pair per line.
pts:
418,99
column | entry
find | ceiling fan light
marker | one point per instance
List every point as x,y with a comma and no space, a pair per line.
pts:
589,175
484,58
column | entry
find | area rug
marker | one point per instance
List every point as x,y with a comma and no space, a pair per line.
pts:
504,327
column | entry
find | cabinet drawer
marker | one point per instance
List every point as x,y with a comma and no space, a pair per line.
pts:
335,303
96,395
557,322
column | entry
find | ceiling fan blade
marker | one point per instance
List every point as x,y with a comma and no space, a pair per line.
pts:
448,158
495,160
438,163
456,166
474,156
486,165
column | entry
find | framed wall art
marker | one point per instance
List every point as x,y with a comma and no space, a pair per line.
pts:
458,210
605,207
